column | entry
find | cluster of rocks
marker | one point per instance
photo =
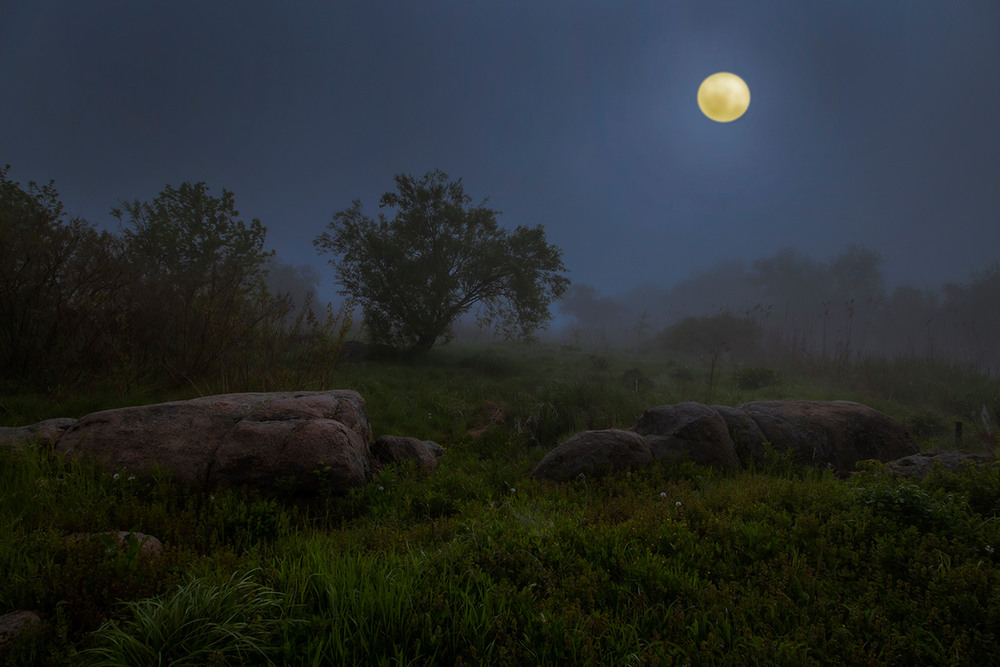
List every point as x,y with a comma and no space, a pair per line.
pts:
323,440
835,434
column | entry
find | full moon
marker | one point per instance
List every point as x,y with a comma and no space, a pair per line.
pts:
723,97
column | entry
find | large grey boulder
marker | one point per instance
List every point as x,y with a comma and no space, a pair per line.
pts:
688,431
594,453
831,434
248,439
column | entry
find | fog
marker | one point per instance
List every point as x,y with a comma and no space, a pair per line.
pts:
796,306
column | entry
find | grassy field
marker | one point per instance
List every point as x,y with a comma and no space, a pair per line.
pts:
478,564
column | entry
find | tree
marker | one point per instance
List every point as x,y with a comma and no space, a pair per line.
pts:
57,276
858,274
196,271
436,259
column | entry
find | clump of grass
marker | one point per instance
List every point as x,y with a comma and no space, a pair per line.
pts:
199,624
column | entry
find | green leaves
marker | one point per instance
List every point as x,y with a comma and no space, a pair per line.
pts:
436,259
195,270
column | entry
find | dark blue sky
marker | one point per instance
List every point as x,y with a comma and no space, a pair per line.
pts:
871,122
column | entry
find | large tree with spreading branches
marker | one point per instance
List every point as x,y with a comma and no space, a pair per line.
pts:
436,259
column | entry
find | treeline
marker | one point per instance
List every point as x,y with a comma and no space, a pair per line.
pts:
789,305
183,292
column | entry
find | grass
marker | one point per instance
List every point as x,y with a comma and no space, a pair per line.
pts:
479,564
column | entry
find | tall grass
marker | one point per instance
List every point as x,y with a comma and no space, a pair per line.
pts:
199,624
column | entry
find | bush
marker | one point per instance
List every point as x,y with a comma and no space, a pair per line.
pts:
756,377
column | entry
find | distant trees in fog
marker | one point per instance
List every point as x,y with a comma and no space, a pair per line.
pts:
180,293
799,307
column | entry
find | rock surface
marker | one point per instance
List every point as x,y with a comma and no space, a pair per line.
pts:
918,465
14,623
830,434
594,453
748,439
688,430
834,434
149,546
390,449
44,432
250,439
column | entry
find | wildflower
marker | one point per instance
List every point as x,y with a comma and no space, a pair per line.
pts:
115,476
989,549
513,490
131,478
381,488
663,494
677,504
581,476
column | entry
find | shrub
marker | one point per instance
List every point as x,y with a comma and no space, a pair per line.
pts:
756,377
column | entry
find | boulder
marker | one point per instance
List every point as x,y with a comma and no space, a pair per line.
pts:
251,439
594,453
688,430
14,623
390,449
149,546
44,432
836,434
833,434
918,465
747,436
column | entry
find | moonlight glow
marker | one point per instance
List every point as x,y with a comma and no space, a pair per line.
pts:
723,97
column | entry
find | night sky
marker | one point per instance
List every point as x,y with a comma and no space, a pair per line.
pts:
872,122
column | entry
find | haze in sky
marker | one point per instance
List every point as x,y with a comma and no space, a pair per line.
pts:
871,123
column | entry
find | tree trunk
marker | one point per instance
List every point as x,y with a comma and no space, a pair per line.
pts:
423,345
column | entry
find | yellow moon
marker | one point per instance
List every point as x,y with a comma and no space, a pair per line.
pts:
723,97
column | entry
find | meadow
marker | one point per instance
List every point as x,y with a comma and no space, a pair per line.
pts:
479,564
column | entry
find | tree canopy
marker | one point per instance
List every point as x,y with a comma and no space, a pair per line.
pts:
196,268
438,257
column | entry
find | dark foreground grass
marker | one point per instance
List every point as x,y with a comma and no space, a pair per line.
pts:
669,565
478,564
